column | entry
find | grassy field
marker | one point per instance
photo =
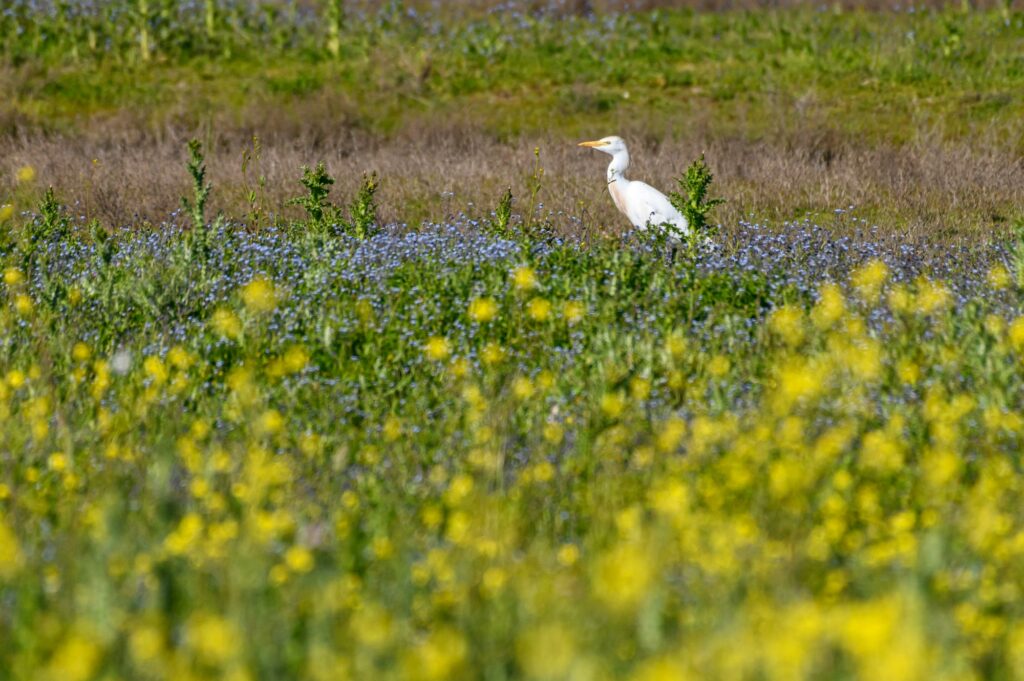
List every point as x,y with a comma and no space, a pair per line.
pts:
415,433
914,117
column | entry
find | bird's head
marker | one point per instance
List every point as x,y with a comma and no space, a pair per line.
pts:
609,145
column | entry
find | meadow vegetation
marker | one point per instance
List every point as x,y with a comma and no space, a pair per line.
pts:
913,116
265,414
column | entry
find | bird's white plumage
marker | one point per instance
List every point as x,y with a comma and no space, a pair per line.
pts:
642,204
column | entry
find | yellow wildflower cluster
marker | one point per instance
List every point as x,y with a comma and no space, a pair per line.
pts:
831,497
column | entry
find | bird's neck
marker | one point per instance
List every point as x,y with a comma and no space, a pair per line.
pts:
617,168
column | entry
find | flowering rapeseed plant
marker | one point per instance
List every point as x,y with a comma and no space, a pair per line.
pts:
418,466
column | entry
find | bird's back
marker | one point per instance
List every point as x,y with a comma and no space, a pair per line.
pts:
647,206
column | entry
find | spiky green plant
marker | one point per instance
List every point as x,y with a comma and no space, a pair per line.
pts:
692,199
363,209
196,164
501,225
320,211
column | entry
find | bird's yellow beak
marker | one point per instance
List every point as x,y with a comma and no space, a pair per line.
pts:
596,143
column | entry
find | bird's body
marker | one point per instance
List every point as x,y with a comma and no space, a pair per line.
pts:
641,203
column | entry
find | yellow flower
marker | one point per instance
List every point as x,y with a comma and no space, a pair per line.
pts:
676,344
179,357
522,388
661,669
1016,334
6,211
932,297
23,304
718,366
622,576
212,638
13,276
146,643
493,580
881,451
798,380
524,278
868,280
483,310
639,388
226,323
864,359
908,371
76,659
392,428
15,378
371,625
492,353
437,349
26,174
568,555
900,299
994,324
830,306
539,309
438,657
81,352
613,404
155,369
270,422
546,651
259,295
671,434
11,557
787,322
295,359
553,432
185,536
999,278
299,559
57,461
573,311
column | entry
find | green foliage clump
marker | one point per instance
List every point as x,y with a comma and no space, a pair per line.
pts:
196,165
692,199
318,209
501,225
363,209
326,218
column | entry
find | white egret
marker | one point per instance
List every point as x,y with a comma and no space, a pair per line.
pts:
644,205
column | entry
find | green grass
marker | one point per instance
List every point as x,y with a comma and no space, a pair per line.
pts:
879,76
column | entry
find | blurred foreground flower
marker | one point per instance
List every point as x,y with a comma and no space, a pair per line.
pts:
259,295
26,174
483,310
437,349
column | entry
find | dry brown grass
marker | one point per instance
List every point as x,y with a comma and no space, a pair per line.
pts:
122,175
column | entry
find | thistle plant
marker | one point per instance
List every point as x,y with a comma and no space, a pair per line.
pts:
320,211
196,165
324,216
363,209
692,199
197,246
500,226
53,223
